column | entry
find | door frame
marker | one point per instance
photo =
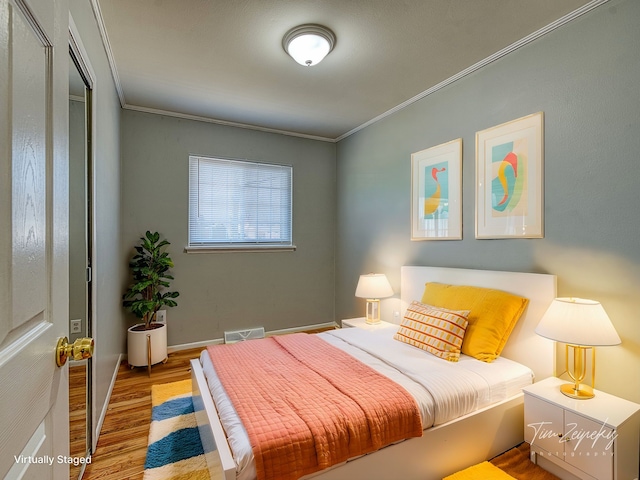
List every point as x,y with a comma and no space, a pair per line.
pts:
81,58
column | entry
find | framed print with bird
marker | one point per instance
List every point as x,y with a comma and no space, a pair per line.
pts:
436,192
509,179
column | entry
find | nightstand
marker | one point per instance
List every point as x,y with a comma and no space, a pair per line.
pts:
595,439
360,322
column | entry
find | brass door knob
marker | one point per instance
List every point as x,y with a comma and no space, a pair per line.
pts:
79,350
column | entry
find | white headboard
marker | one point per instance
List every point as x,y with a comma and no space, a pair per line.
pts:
524,345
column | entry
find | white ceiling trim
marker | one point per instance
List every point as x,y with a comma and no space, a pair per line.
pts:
198,118
97,13
496,56
473,68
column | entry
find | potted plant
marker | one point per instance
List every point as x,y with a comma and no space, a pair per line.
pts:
147,341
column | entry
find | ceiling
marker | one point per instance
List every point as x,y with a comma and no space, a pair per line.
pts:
223,61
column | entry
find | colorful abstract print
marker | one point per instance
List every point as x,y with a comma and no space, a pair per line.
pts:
509,165
436,190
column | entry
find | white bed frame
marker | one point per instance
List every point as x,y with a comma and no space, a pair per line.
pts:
444,449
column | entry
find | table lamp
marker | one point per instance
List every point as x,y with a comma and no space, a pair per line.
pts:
373,287
582,325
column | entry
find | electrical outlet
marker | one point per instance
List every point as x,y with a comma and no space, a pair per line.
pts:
76,326
161,316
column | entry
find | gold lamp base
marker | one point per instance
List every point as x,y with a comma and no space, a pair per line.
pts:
373,311
577,391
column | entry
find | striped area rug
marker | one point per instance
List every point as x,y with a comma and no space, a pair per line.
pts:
175,451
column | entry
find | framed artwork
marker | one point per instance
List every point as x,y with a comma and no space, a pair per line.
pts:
509,179
436,192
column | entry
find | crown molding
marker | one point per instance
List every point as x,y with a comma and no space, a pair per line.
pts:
216,121
473,68
482,63
97,13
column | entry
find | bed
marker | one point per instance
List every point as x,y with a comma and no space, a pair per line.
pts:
492,427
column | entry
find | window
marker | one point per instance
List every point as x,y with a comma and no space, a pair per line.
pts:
237,204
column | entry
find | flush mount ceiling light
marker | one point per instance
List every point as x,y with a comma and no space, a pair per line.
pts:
308,44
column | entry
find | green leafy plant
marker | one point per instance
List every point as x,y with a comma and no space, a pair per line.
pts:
150,270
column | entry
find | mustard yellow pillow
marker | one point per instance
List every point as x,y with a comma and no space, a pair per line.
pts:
493,314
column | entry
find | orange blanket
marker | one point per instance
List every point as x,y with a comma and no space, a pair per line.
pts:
307,405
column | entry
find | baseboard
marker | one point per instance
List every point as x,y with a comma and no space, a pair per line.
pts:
105,406
306,328
187,346
548,465
202,344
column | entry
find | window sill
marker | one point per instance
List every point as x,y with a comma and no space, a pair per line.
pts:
243,249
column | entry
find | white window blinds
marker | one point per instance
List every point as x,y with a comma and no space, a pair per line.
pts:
235,203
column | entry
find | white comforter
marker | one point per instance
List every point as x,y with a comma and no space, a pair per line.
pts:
443,390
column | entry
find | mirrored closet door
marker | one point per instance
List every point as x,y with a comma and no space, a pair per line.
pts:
80,236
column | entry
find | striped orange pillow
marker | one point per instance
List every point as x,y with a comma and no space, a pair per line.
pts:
437,330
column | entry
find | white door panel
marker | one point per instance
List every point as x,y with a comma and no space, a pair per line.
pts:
33,238
30,72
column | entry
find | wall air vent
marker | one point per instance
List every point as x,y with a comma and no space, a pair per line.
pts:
242,335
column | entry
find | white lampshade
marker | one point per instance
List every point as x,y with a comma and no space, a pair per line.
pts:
308,44
373,285
578,322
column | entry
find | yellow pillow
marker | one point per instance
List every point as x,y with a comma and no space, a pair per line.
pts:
493,314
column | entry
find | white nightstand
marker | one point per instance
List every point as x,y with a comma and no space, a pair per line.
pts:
360,322
595,439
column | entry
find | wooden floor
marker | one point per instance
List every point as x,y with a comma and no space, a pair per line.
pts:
122,446
77,414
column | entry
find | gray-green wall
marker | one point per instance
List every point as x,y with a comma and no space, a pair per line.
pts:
585,77
351,200
229,291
